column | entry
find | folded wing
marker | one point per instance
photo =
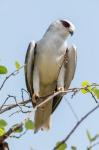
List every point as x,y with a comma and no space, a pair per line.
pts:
29,67
70,68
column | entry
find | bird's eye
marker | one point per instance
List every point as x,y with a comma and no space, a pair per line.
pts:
65,23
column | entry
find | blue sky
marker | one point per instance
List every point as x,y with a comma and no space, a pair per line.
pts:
23,21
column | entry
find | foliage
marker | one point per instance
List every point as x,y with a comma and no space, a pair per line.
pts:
90,88
3,70
85,84
73,148
91,139
19,130
62,146
3,125
29,125
2,131
17,65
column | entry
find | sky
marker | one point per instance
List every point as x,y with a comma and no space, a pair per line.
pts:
24,21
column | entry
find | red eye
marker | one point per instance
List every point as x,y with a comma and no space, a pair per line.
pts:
65,24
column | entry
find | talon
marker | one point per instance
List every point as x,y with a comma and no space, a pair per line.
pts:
35,97
60,89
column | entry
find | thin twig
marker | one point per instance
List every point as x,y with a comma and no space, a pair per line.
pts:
22,93
14,97
76,125
71,108
14,105
12,74
50,98
46,99
4,102
90,147
9,132
93,97
73,90
15,113
19,111
17,137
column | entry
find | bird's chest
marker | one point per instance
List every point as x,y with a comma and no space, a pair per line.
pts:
49,66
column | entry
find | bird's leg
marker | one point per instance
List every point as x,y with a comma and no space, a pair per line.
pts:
35,98
60,81
61,77
60,89
36,86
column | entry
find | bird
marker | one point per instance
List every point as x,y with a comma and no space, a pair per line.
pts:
50,66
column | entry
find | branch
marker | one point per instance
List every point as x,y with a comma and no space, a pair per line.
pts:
4,146
43,100
9,132
4,102
71,90
90,147
14,97
17,137
12,74
76,126
72,110
14,105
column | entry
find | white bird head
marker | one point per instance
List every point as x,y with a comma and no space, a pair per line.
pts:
62,28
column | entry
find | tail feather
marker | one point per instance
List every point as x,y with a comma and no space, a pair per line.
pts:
42,116
46,125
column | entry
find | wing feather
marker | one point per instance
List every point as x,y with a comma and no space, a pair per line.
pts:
70,68
29,66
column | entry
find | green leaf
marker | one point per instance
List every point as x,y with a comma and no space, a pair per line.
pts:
19,130
17,65
94,138
89,148
73,148
84,84
62,146
3,70
2,131
29,125
96,92
3,123
89,136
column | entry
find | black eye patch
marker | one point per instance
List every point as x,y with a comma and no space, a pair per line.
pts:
65,24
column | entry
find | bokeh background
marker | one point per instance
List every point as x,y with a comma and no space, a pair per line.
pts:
27,20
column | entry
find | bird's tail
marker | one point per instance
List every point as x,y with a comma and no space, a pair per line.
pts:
42,116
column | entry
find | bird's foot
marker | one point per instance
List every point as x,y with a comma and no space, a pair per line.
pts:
60,89
35,98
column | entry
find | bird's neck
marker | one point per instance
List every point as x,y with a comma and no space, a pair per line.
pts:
54,39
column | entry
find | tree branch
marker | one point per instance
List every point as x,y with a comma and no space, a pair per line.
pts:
90,147
43,100
75,127
14,105
12,74
9,132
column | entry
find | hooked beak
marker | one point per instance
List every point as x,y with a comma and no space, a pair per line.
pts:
71,33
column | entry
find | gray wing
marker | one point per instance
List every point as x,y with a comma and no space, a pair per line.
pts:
70,68
29,66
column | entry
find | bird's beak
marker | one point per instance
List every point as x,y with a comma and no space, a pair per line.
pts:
71,33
